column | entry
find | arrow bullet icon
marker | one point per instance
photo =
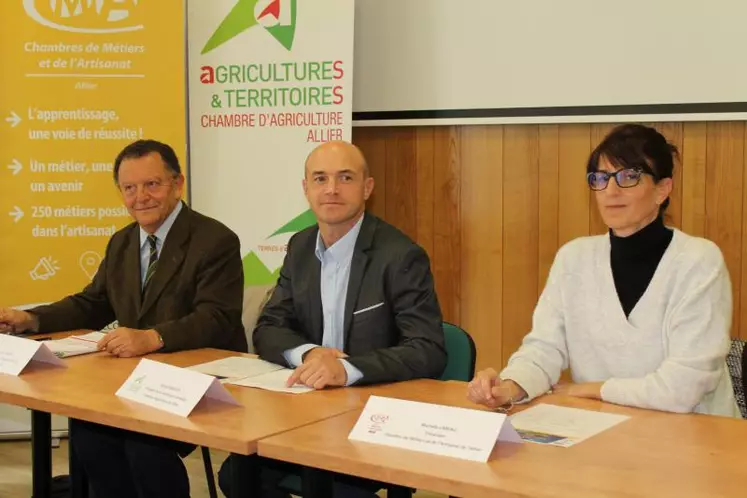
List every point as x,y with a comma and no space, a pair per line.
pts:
15,167
13,119
17,214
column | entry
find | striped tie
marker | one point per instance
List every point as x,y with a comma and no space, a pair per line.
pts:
152,261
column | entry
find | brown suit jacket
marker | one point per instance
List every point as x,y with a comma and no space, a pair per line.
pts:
193,300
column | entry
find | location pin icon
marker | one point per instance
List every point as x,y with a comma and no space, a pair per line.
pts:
89,262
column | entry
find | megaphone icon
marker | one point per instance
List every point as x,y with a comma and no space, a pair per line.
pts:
44,269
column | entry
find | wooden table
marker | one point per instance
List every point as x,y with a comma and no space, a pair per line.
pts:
653,454
86,391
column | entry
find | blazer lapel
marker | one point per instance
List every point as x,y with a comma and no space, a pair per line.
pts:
357,270
315,294
172,255
131,274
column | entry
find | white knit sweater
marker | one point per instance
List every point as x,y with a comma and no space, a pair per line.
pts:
668,354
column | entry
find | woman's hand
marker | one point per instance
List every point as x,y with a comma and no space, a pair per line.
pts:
488,390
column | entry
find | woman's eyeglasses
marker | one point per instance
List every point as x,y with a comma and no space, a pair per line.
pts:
625,178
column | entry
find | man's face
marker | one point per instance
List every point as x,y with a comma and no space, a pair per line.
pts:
149,189
336,185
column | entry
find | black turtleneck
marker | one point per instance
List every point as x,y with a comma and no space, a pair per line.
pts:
634,260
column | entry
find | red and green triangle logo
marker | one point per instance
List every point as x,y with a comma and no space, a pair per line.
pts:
277,17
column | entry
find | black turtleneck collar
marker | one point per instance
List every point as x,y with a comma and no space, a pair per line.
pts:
634,260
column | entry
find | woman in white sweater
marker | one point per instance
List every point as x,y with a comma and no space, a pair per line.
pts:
642,314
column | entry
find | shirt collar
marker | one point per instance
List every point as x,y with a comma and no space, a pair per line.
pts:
341,249
163,230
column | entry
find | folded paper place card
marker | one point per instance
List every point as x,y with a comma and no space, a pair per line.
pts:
437,429
172,389
17,352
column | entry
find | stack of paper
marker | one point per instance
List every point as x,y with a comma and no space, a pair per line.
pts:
560,425
272,381
75,345
251,372
236,367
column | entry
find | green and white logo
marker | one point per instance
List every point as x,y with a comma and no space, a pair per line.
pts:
137,384
255,271
277,17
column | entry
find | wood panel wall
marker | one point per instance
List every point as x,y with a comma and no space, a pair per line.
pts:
492,204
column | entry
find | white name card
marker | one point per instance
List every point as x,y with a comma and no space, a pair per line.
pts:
441,430
172,389
17,352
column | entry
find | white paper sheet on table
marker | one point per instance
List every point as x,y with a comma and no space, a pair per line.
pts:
75,345
236,367
272,381
560,425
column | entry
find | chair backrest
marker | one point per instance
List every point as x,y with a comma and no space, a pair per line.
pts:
736,360
461,354
255,298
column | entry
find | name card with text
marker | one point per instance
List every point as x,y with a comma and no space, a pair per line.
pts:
17,352
172,389
441,430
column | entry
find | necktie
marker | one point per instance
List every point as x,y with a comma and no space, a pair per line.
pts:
152,261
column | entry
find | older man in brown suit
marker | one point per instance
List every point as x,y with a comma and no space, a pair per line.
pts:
172,280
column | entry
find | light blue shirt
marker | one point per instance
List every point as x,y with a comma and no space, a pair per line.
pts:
334,278
160,234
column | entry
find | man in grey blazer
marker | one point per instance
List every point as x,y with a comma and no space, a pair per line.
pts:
355,302
173,280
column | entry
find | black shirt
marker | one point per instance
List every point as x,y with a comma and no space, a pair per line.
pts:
634,260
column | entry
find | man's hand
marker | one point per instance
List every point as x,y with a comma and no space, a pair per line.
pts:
15,321
489,390
320,371
126,343
588,390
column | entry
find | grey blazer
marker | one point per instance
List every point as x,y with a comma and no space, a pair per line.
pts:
392,322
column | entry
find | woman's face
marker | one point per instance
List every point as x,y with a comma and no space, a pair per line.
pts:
627,210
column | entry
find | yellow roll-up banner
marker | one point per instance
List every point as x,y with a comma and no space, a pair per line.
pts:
80,79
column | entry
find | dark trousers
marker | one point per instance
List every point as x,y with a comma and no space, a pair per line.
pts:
120,463
274,471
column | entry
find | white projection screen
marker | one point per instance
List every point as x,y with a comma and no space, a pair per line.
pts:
523,61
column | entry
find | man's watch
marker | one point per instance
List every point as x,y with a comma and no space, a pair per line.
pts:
160,339
34,325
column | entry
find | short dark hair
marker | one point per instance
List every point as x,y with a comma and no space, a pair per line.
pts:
143,148
639,147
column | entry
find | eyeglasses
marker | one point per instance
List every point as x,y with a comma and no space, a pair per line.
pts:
625,178
130,190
